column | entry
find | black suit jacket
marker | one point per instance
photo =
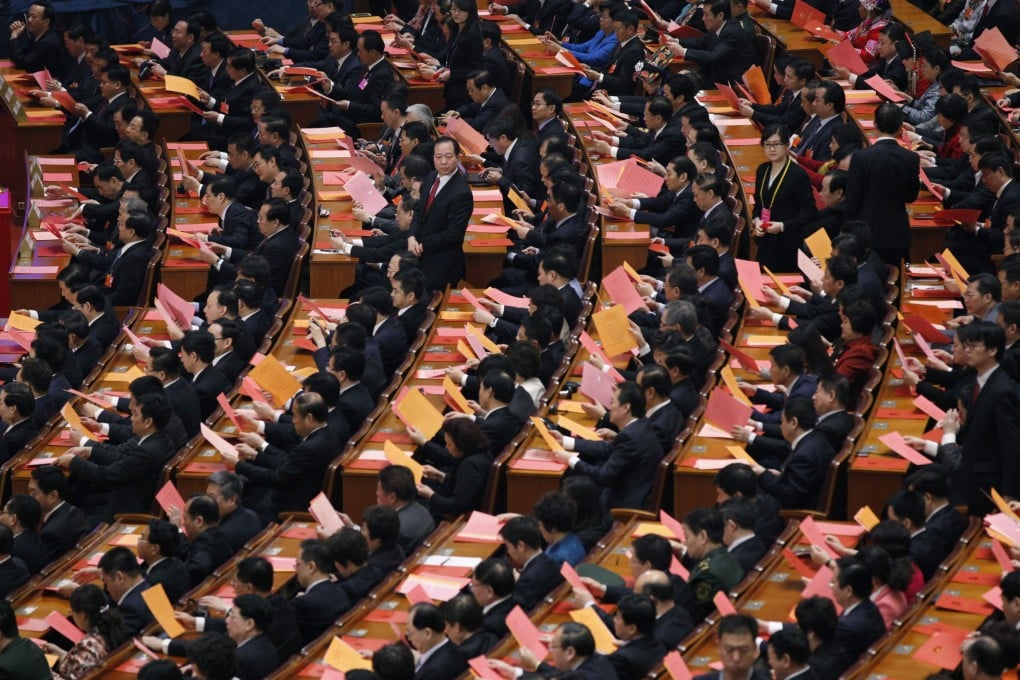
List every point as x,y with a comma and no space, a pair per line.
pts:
368,93
126,275
319,608
279,250
292,478
392,341
499,427
446,662
673,626
62,530
134,612
672,212
749,552
649,146
345,77
723,57
188,65
355,404
553,128
667,423
13,575
800,480
128,471
883,179
230,365
411,320
308,45
239,526
792,203
494,620
624,468
173,575
944,528
635,659
256,658
858,629
29,546
208,385
88,355
204,553
258,325
618,76
13,439
239,228
106,328
46,52
218,84
479,115
520,171
989,437
440,230
573,232
537,580
183,399
787,110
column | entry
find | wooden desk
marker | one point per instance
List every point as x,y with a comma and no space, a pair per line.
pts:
917,20
370,624
181,270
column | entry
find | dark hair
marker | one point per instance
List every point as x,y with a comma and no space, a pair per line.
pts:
817,615
986,653
214,654
709,520
160,669
737,624
497,574
637,611
788,356
629,393
578,637
156,407
393,662
19,396
654,550
256,572
383,524
854,575
119,559
792,643
318,554
49,478
165,536
987,333
465,611
930,479
90,601
522,529
556,511
737,479
888,118
427,616
740,511
399,481
255,608
349,547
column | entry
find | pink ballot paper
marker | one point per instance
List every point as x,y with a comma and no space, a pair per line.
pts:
676,666
899,446
64,627
229,410
362,190
571,576
169,498
809,528
525,633
883,88
182,310
218,442
480,527
621,290
725,411
808,267
926,405
325,514
724,604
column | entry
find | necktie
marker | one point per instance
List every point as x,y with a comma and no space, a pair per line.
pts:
432,195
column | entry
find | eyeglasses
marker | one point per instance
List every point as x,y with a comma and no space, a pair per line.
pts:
774,145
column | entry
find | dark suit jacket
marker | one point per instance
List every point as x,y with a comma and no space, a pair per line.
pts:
792,203
649,146
256,658
63,529
230,365
29,546
494,620
944,529
625,468
521,172
134,612
360,583
258,325
188,65
445,662
988,435
13,439
308,45
13,575
183,399
553,128
667,423
87,356
345,78
106,328
392,341
387,559
799,482
749,552
787,110
319,608
635,659
46,52
548,16
478,644
499,427
719,297
204,553
462,489
479,115
618,78
537,580
128,471
723,57
463,58
859,629
239,228
883,179
573,231
673,626
885,70
279,250
173,575
126,275
293,478
415,524
355,404
803,386
412,320
368,93
595,667
440,230
672,212
208,385
239,526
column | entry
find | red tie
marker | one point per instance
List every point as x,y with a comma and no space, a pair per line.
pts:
432,195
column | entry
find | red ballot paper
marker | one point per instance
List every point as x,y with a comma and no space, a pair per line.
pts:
572,578
994,49
883,88
923,327
417,594
845,54
942,649
362,190
751,278
798,564
804,13
218,442
621,290
899,446
724,604
814,535
673,525
731,97
480,667
64,627
1002,556
725,411
169,498
676,667
926,405
472,140
746,361
472,300
683,30
525,633
956,216
930,186
229,410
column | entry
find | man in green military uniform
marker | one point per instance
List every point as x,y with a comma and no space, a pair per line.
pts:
712,566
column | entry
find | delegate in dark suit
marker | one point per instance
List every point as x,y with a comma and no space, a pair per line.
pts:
944,528
673,212
171,573
748,553
62,529
798,483
238,228
883,179
293,478
857,629
35,54
439,229
724,56
188,65
204,553
97,131
128,471
520,171
367,95
791,201
126,275
239,526
14,438
660,145
318,608
13,575
478,115
235,106
208,385
635,659
29,546
618,76
279,249
988,437
787,110
625,468
391,339
444,663
536,580
595,667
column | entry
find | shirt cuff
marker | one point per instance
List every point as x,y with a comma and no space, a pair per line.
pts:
33,314
776,318
260,427
568,443
632,213
166,647
852,78
948,438
263,446
219,119
211,104
104,428
613,150
931,449
227,253
573,461
784,303
200,624
750,438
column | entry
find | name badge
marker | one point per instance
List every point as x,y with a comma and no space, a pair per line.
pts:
363,84
766,215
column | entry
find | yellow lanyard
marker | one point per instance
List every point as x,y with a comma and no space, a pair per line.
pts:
779,182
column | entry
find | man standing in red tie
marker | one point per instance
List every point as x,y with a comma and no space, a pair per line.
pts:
440,221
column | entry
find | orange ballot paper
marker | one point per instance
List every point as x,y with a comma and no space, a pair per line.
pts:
158,603
545,434
399,457
343,657
74,422
273,377
867,518
820,245
180,85
613,328
603,638
415,410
